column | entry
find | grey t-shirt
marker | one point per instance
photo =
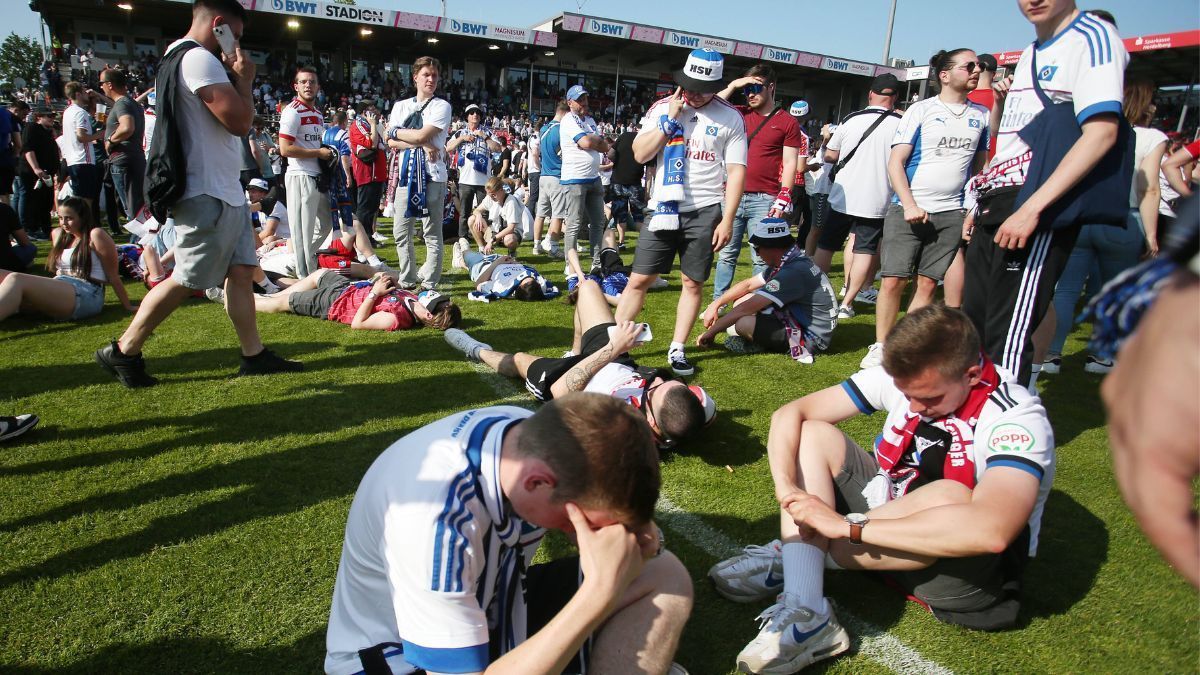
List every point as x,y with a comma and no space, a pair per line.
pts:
130,150
800,288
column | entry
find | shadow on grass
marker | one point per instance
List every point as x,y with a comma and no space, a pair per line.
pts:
726,441
208,655
271,484
1072,547
1072,398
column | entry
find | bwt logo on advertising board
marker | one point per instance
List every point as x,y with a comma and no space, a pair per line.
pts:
467,28
349,13
605,28
779,55
833,64
685,40
295,7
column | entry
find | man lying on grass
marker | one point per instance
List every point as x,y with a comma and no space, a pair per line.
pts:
789,308
599,362
364,305
437,566
503,276
949,504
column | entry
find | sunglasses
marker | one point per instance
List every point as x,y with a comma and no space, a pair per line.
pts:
970,66
664,441
753,89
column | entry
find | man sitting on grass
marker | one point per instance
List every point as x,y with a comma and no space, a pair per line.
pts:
437,570
363,305
949,504
789,308
599,362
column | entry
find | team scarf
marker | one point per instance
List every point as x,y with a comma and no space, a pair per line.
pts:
476,151
670,192
958,466
793,329
414,174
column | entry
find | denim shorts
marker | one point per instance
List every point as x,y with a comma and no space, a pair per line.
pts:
89,297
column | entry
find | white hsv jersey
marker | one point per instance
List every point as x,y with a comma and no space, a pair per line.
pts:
1083,64
945,138
1012,430
715,135
305,127
432,549
578,165
861,187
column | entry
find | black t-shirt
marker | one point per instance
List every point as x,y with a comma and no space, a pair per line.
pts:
506,154
9,223
39,140
626,170
129,150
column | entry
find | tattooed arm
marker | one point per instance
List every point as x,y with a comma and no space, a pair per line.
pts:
576,378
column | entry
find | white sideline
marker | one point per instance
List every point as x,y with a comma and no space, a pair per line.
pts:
873,642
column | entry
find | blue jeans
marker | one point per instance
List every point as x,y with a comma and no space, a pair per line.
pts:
127,181
753,208
18,199
1112,249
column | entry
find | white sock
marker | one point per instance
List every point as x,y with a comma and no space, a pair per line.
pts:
1034,371
374,260
804,577
269,286
675,347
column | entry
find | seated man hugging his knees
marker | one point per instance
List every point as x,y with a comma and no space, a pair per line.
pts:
789,308
437,573
949,504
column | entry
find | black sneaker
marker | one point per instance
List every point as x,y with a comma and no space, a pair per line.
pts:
680,364
11,427
268,362
129,370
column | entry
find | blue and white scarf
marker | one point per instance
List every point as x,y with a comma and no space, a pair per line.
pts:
476,151
414,175
499,291
670,192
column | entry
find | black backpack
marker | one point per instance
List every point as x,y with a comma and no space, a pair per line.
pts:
166,165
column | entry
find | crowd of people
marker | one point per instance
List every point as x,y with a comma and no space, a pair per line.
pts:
1006,197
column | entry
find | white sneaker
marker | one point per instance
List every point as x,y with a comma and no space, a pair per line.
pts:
845,312
460,340
1052,365
457,261
379,239
556,251
1098,366
873,358
755,574
383,267
792,639
659,282
867,296
842,292
216,294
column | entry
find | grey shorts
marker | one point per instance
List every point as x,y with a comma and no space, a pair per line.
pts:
211,237
515,233
926,249
692,241
958,585
552,200
89,297
316,303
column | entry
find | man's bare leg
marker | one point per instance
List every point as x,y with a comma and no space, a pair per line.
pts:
634,296
860,270
508,365
239,305
952,285
152,311
687,309
643,634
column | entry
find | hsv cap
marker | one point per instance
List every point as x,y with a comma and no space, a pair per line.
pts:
706,401
799,109
575,92
702,72
431,299
774,232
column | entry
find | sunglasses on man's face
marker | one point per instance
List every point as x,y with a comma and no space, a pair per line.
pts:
970,66
754,89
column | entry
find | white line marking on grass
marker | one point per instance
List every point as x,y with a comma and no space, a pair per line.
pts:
873,642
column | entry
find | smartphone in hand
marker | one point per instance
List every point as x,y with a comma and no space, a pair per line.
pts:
225,39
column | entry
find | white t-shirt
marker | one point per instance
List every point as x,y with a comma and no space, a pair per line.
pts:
619,381
1012,431
1145,139
436,114
945,138
74,151
476,148
862,187
578,165
304,126
430,544
1166,192
214,156
151,120
511,211
715,135
534,163
1084,64
279,212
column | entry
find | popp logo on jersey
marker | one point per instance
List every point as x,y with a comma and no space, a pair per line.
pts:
1010,438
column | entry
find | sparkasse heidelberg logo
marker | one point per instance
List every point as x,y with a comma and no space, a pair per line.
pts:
1010,438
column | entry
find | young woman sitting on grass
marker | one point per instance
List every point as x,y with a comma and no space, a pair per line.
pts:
363,305
83,258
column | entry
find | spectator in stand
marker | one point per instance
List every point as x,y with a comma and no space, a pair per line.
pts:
369,164
83,259
773,139
36,170
474,145
78,136
418,127
300,130
124,131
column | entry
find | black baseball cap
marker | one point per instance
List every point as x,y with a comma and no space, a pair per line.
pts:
885,85
988,62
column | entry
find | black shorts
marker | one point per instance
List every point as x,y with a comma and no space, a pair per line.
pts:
366,202
979,592
543,373
692,241
769,333
867,232
549,587
317,302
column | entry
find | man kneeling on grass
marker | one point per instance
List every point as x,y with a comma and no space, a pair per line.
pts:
362,305
599,362
949,505
437,566
789,308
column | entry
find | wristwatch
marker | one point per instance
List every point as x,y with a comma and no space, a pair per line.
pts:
857,522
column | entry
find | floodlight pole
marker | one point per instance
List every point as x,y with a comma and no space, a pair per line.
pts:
887,43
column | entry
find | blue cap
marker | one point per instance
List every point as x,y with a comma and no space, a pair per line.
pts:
575,92
799,109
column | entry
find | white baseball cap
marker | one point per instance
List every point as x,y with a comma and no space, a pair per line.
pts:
702,72
259,184
799,109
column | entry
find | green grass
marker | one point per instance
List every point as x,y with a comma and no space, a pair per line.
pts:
196,527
